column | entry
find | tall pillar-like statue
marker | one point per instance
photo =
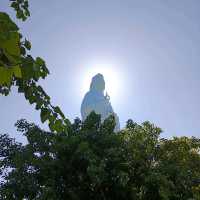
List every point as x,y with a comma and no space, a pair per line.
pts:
95,100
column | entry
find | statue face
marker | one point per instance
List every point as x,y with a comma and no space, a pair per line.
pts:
98,83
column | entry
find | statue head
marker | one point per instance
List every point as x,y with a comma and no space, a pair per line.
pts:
98,83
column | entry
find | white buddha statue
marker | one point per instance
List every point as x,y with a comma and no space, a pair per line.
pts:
95,100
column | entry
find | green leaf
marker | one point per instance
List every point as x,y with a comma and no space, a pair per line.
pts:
51,126
14,5
44,114
11,45
17,72
27,44
39,103
58,125
6,24
39,61
5,76
32,99
22,50
58,110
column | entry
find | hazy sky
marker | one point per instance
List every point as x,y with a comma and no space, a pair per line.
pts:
153,46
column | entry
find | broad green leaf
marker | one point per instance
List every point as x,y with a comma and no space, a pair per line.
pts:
17,71
5,76
6,24
58,125
52,126
44,114
32,99
39,103
57,109
11,45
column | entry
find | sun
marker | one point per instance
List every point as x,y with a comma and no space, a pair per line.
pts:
111,77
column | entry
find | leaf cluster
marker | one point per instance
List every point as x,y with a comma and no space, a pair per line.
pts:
21,8
18,68
94,162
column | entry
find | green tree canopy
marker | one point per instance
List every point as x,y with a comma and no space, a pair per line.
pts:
94,162
84,160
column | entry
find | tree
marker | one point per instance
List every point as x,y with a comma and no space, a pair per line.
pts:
18,68
94,162
86,160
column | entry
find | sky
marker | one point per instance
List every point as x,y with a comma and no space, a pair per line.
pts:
149,49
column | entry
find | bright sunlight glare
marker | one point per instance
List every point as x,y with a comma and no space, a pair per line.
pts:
111,77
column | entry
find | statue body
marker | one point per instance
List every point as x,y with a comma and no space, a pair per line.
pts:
95,100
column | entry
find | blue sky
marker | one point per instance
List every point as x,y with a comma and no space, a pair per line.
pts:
152,45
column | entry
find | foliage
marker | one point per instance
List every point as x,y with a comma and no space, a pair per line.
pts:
93,162
85,160
18,68
21,8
